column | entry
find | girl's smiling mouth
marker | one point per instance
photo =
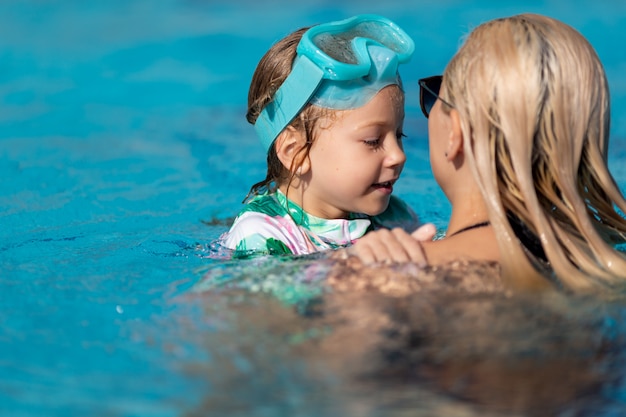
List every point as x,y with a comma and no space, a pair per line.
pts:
386,187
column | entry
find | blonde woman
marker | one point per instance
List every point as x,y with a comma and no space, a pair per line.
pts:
519,132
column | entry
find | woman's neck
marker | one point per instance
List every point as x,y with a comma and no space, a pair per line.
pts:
468,213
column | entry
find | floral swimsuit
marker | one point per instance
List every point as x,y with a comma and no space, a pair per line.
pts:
266,226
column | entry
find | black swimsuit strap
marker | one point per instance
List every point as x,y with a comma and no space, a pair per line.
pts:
470,227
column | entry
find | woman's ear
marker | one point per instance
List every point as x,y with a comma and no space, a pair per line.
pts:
288,145
455,141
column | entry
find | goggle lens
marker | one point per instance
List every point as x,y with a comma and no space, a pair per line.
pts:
340,47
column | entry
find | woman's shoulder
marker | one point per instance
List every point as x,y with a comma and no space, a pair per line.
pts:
479,245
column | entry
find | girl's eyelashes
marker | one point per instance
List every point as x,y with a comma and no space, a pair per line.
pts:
377,143
373,143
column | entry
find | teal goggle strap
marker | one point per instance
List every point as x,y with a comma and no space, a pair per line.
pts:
291,97
339,65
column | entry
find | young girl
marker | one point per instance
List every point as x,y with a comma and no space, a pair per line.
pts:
328,106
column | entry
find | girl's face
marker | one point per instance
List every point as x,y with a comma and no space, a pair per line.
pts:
356,159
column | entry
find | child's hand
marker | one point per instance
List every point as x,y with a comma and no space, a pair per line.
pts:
394,245
425,233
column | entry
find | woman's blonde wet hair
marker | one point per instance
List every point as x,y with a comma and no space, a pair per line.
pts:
533,100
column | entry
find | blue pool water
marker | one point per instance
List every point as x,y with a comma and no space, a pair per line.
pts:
124,153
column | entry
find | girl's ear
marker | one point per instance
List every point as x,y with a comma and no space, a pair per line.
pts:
288,145
455,141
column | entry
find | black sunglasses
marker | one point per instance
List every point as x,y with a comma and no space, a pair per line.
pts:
429,93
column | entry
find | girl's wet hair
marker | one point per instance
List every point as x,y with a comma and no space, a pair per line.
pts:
270,73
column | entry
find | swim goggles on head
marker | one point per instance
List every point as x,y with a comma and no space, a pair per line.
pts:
339,65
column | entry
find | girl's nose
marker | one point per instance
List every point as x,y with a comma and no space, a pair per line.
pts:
395,153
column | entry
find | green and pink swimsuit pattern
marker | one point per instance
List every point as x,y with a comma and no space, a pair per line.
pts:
271,224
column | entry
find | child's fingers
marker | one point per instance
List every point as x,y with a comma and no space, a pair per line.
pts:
411,246
364,252
389,246
425,232
372,247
